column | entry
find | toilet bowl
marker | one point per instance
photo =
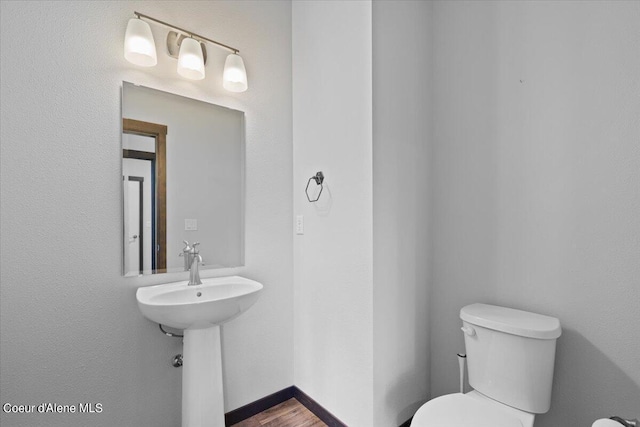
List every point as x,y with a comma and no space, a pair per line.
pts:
510,356
470,409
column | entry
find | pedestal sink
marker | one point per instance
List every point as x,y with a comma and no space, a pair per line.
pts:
200,310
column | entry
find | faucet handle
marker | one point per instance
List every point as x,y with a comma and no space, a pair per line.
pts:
186,248
194,248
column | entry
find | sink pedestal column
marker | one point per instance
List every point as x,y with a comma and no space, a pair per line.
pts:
202,397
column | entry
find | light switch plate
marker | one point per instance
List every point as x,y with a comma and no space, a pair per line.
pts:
299,224
190,224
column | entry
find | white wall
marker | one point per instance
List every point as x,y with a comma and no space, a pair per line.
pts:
401,111
536,188
332,132
70,328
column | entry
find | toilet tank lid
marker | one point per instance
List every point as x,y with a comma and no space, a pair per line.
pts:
512,321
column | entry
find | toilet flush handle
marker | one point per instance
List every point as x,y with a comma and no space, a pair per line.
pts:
468,330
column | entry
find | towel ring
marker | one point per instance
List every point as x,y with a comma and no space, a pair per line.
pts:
319,179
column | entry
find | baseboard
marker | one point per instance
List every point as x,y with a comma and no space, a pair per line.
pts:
253,408
327,417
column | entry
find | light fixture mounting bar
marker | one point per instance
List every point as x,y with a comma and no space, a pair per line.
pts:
190,33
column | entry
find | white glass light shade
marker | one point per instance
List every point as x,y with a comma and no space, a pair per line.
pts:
139,46
190,60
234,78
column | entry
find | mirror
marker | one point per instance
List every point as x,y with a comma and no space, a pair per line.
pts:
182,179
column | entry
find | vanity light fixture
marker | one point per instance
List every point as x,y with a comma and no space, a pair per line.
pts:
234,78
188,47
191,60
139,46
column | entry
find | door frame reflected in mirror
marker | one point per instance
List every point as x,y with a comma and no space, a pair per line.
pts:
139,237
159,193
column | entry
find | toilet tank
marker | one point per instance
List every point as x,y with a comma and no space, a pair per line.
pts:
510,355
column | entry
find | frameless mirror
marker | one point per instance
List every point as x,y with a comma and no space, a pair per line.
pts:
182,179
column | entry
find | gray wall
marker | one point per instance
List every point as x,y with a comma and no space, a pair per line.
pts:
401,107
70,328
536,188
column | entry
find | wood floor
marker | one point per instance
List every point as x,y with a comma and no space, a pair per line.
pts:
290,413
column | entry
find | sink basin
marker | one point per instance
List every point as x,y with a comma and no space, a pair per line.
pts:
216,301
200,310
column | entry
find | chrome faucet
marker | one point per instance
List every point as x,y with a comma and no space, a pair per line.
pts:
186,254
194,271
192,260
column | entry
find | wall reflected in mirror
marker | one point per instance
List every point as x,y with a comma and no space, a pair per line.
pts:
182,179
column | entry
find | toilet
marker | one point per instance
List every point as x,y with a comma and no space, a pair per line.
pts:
510,358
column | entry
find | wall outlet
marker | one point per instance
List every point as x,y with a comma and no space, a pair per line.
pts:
190,224
299,224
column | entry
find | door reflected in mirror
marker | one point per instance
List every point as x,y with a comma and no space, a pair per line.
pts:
182,179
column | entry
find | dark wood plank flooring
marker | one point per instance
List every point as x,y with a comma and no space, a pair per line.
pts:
290,413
